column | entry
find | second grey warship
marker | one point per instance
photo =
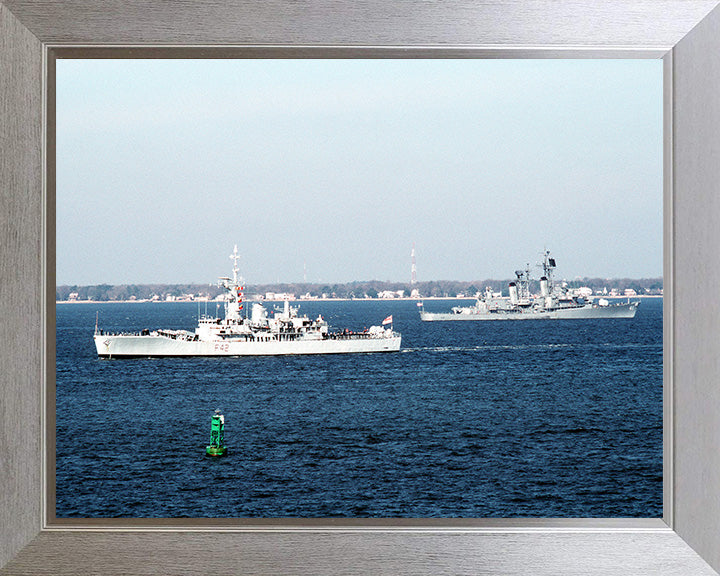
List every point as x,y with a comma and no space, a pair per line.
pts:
553,302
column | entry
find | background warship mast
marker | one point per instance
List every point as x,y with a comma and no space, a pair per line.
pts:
413,268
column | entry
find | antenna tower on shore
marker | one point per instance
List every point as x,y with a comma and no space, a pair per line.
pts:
413,268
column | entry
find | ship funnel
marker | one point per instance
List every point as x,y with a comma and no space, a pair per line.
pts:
259,314
544,288
512,288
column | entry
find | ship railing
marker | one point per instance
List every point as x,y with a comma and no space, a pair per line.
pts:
349,335
123,333
177,334
174,334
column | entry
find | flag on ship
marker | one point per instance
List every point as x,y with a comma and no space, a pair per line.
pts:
387,320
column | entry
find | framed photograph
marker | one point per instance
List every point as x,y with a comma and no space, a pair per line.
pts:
345,396
682,36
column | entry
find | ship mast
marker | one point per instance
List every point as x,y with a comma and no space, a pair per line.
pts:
234,257
232,312
548,267
413,268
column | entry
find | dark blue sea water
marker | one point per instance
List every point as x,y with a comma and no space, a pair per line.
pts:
470,419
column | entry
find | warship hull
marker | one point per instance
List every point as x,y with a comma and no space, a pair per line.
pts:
147,346
625,310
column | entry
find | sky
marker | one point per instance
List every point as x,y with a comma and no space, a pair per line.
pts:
331,170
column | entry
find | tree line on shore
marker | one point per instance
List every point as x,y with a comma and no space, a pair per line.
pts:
357,289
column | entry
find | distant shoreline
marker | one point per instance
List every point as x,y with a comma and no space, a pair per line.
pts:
300,300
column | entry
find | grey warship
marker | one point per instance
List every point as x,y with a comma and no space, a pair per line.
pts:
555,301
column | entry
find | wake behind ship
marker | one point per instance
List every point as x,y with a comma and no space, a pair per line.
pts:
234,335
553,302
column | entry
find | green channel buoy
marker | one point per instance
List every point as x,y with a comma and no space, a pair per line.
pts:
217,436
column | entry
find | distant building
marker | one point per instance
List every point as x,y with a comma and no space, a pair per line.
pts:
389,294
181,298
279,296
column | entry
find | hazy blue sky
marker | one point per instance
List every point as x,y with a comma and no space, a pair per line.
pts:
332,169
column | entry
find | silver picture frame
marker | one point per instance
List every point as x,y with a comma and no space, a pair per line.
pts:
684,33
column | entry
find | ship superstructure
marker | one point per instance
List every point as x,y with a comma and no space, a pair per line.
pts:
555,301
285,332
